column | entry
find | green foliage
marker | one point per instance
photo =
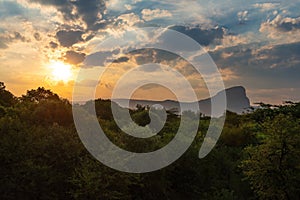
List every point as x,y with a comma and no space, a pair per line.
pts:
257,156
273,167
2,111
141,118
36,161
38,95
94,181
50,112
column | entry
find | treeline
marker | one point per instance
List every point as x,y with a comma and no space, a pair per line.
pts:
42,157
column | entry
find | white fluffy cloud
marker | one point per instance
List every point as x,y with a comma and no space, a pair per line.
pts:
130,19
286,29
149,14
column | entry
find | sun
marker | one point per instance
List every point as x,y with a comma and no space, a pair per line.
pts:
60,71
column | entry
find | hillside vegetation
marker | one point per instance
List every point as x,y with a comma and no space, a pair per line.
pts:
42,157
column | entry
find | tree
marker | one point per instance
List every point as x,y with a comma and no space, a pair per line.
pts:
39,95
50,112
2,86
273,167
141,117
7,99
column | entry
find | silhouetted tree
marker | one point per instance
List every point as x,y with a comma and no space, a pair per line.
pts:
39,95
7,99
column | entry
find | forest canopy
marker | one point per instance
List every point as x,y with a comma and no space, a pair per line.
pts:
42,157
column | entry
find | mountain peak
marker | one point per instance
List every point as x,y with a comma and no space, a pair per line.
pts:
237,101
236,88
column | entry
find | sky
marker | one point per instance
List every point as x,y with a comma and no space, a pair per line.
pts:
255,44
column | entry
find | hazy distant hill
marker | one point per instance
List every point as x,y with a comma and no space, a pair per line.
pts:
237,101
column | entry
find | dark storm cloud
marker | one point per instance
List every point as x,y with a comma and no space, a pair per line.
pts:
68,38
74,58
202,36
90,11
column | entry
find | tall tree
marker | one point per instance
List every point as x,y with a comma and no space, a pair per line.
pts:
7,99
273,167
39,95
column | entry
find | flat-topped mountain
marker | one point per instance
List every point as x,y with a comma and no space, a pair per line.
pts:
237,101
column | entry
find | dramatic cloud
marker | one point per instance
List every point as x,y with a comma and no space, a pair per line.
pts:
255,43
145,56
228,74
90,11
129,19
74,58
279,56
286,29
138,57
263,66
68,38
231,40
283,24
149,14
203,36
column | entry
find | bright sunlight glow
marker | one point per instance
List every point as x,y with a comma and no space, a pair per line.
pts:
60,71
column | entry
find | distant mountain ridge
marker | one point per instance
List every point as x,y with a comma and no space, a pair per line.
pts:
237,101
